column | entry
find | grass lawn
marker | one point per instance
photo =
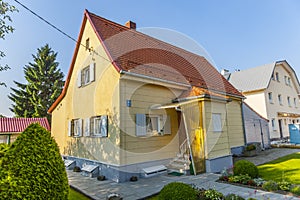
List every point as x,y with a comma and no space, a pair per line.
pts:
74,195
285,168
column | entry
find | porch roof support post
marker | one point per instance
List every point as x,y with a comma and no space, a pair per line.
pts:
189,143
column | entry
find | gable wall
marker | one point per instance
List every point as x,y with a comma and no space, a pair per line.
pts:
100,97
273,108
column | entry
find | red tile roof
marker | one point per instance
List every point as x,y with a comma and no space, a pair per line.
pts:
18,125
132,51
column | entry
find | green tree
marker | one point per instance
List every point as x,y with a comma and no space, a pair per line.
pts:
32,167
5,28
44,82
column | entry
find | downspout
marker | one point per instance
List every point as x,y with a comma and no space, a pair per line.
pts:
243,123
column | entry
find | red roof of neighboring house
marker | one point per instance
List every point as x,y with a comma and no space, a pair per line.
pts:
132,51
18,125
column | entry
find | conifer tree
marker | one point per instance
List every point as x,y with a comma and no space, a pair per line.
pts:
44,82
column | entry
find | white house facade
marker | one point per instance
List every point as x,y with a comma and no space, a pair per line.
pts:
272,90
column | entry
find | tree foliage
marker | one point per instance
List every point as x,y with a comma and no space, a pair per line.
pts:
5,28
44,82
32,167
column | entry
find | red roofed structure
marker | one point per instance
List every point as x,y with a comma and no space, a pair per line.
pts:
10,128
131,103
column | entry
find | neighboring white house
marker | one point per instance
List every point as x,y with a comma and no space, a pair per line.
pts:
256,127
272,90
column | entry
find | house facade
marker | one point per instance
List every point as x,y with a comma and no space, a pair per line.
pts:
132,102
11,128
256,127
272,90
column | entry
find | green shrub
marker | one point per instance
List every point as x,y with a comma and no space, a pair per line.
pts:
243,179
177,190
259,181
33,168
295,189
284,185
250,147
213,194
233,197
245,167
3,148
270,186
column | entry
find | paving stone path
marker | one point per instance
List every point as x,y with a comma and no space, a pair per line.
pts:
147,186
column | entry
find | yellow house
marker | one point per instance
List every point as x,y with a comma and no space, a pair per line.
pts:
132,104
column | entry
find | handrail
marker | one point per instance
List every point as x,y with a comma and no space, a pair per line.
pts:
183,147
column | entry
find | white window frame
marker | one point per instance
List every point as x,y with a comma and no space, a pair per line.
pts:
273,124
295,102
270,97
289,101
280,99
277,76
145,123
75,128
99,126
216,122
289,81
86,75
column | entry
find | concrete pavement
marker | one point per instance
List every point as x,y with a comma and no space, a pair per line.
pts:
148,186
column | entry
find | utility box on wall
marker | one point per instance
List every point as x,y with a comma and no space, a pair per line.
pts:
294,130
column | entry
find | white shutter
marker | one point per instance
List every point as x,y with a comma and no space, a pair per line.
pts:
104,125
140,124
80,127
217,122
92,72
167,124
79,79
87,127
69,128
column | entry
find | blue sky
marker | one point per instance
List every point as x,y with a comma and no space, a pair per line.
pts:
235,34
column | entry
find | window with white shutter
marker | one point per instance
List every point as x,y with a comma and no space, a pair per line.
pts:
79,79
99,126
70,128
77,128
167,124
152,125
217,122
87,127
92,72
140,120
104,125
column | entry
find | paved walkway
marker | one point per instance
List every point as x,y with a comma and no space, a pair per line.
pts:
145,187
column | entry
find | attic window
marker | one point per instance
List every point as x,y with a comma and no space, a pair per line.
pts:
87,44
277,76
86,75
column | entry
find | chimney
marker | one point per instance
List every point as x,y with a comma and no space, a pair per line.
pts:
226,74
131,25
